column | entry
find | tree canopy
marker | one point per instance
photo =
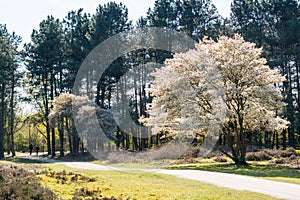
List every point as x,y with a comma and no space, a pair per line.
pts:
187,95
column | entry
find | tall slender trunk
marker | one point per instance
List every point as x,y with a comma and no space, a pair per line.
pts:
69,135
2,121
298,95
46,104
52,98
284,139
11,124
61,135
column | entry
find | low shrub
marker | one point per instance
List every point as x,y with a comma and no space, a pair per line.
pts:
17,183
171,151
280,161
64,177
276,153
88,194
186,161
258,156
220,159
268,154
191,152
288,152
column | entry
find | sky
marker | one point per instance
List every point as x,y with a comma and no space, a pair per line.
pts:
22,16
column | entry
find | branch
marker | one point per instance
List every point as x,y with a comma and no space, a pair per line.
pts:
224,152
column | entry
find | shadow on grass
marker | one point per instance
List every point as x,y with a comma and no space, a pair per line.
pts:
256,170
24,160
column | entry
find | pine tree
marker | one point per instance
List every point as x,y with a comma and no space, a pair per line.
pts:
274,25
44,63
9,58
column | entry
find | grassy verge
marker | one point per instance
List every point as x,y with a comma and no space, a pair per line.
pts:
128,185
17,160
255,169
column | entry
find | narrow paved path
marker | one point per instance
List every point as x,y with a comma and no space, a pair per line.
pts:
233,181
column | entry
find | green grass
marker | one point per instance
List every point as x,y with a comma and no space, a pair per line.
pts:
20,160
132,185
255,169
297,151
144,165
142,186
156,186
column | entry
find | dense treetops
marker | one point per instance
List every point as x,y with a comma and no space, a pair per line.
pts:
219,66
219,87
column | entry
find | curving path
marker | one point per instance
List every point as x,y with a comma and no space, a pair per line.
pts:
233,181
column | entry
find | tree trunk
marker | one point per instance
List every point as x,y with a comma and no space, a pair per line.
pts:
284,139
2,122
61,135
53,142
76,139
52,98
46,104
11,124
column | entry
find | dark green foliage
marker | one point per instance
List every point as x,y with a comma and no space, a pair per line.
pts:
59,47
77,38
110,19
274,25
9,61
192,17
44,61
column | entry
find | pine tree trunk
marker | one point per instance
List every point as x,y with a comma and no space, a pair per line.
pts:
61,135
52,98
46,104
12,115
2,122
284,139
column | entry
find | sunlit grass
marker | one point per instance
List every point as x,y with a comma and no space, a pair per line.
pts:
255,169
20,160
157,186
141,186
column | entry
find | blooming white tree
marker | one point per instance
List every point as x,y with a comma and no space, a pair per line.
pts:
225,82
70,110
61,117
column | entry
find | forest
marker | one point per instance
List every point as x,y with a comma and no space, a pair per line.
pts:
41,75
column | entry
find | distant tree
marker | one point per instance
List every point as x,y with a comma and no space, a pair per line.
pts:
44,61
184,101
78,44
62,115
110,19
274,25
199,18
9,58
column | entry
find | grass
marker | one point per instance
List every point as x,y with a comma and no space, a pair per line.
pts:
156,186
140,165
139,186
297,151
20,160
255,169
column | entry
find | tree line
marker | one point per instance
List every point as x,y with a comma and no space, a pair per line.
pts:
59,46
